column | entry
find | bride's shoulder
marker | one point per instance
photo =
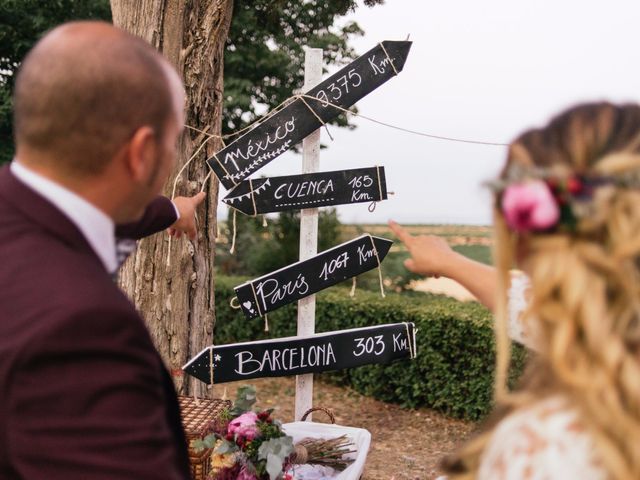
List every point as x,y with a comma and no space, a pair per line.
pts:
545,440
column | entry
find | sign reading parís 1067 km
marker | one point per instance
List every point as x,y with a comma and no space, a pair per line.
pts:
310,190
301,279
300,355
302,116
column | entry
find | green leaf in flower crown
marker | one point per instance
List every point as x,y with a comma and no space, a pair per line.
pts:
245,398
275,451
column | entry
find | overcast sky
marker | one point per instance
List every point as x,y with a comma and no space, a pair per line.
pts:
483,70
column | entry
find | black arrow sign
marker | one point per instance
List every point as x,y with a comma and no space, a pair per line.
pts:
310,190
302,116
302,279
296,356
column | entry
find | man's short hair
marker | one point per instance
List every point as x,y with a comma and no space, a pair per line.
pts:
80,99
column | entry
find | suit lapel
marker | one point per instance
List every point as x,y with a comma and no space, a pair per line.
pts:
41,211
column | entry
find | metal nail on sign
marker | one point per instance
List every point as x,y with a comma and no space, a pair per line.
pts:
296,356
302,279
301,116
311,190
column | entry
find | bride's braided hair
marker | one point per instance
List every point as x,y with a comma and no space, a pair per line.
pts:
585,288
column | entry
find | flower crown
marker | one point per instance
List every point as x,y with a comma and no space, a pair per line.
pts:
541,200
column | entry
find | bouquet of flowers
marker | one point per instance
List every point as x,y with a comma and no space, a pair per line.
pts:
251,445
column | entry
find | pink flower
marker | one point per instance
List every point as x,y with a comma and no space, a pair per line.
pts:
530,206
244,426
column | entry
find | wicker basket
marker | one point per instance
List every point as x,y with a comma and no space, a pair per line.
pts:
196,417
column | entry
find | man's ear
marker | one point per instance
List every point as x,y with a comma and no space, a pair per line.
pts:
142,154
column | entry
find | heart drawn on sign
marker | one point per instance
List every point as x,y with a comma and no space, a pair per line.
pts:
247,305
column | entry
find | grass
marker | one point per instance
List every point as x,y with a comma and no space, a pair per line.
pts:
480,253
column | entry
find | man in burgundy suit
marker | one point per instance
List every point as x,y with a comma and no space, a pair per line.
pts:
83,392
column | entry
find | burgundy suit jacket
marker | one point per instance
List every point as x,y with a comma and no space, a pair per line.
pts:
83,392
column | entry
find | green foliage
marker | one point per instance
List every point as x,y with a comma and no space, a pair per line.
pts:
275,451
262,249
453,372
22,23
264,60
479,253
245,399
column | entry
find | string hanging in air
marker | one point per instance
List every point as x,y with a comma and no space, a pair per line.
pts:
375,252
232,250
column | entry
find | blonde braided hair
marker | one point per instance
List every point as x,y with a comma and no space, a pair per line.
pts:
585,290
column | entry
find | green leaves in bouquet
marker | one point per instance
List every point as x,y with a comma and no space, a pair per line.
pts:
245,398
275,451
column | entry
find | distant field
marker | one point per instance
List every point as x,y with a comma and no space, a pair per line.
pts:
471,231
472,241
480,253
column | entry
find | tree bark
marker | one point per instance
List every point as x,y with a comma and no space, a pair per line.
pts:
172,283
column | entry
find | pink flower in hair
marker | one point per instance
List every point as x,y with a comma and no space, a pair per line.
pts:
530,206
244,426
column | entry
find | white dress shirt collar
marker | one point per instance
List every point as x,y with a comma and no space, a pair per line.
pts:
96,226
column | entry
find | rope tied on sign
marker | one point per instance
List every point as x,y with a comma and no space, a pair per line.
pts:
411,341
372,205
375,252
388,58
210,371
253,198
263,315
354,284
322,122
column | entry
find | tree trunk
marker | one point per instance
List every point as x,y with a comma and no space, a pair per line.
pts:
172,283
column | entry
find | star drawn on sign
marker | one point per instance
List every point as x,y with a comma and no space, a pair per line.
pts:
217,357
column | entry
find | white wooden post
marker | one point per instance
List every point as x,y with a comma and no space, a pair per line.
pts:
308,233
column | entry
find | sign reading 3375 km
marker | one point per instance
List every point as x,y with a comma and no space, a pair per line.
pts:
301,116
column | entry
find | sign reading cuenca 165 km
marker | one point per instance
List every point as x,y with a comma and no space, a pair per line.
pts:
297,356
310,190
301,279
302,116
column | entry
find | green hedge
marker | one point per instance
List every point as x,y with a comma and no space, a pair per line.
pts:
453,372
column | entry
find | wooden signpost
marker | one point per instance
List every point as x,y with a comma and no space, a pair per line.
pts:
304,278
276,194
301,116
297,355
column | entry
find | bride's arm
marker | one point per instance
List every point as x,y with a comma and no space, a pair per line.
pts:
432,256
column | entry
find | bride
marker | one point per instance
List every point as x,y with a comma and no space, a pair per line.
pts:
567,213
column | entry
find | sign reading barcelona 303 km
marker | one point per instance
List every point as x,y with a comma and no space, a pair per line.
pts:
300,355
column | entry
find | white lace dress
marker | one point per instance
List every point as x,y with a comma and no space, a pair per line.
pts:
545,441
